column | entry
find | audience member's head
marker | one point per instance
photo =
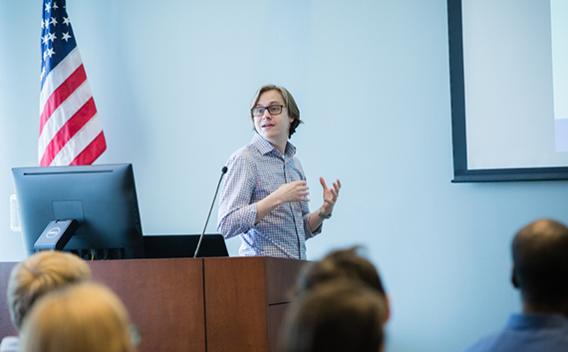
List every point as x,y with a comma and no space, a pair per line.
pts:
39,274
340,315
342,264
540,266
86,317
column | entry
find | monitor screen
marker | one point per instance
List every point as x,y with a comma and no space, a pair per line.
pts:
101,198
183,246
509,80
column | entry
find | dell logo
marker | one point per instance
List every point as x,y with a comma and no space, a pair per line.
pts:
52,233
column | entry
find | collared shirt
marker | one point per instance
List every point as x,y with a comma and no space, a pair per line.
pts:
528,333
254,172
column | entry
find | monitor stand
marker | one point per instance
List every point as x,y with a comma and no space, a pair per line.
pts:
56,235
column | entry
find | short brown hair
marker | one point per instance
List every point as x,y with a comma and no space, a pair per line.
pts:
39,274
289,103
86,317
340,264
341,315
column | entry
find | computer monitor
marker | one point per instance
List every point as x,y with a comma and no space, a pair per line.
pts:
183,246
102,199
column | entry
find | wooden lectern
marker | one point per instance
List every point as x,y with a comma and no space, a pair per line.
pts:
211,304
246,298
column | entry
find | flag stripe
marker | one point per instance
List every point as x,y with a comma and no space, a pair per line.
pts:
58,75
79,142
61,94
92,151
70,131
62,114
71,127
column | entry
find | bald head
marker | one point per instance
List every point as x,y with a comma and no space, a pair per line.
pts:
540,263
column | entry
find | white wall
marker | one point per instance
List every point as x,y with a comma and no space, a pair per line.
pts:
173,79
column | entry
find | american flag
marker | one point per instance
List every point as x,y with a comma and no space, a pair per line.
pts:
70,131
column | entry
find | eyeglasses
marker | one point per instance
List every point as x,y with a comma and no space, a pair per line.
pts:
274,109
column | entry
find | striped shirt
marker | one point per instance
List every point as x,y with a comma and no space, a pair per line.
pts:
254,172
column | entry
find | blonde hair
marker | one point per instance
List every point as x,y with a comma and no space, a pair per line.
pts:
39,274
87,317
289,104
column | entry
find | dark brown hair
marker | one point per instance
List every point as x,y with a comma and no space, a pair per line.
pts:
342,315
340,264
540,263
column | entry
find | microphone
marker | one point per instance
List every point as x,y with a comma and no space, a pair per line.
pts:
223,172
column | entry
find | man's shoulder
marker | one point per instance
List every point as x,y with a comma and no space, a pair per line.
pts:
10,344
245,157
525,340
247,153
484,344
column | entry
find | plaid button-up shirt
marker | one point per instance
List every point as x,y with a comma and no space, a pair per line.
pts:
254,172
